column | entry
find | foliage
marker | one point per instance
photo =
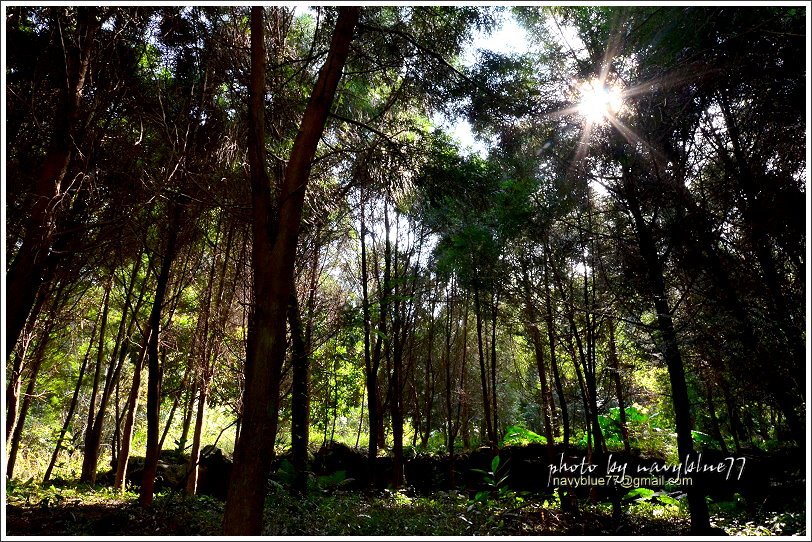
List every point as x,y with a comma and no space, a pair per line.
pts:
495,479
516,435
654,259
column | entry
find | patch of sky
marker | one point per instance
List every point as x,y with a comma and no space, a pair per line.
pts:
507,38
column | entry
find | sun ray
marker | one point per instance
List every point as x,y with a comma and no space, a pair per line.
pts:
597,101
581,148
669,80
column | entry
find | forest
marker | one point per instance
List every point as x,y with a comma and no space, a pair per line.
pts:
405,270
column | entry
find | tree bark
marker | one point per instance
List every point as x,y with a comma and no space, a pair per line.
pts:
194,456
27,271
538,350
73,404
700,520
483,372
551,339
495,307
371,370
18,366
272,261
614,367
91,457
153,363
36,364
91,410
129,419
300,395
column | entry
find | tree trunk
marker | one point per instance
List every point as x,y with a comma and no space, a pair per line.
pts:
188,412
300,395
496,432
20,351
483,372
129,419
300,392
538,350
13,391
153,363
449,307
273,260
27,271
614,367
36,364
585,374
551,339
371,366
194,457
74,401
715,428
700,521
93,443
85,476
397,398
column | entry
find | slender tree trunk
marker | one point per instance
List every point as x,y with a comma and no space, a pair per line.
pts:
464,399
538,349
93,443
221,311
736,427
376,420
187,393
129,419
449,309
614,367
300,392
72,408
36,364
153,363
715,427
273,260
89,446
115,444
194,457
700,520
300,395
396,403
588,360
582,370
186,423
13,391
483,372
551,339
371,369
16,377
496,431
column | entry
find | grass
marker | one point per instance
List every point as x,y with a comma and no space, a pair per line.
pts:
74,509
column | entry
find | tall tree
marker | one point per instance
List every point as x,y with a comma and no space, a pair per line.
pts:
274,251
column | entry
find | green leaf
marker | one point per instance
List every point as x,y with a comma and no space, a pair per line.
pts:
641,493
495,463
666,499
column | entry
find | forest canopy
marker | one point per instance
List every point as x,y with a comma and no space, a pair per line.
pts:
250,251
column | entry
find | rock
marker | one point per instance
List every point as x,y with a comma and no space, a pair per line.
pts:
215,470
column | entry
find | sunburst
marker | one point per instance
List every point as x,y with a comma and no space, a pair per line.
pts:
598,102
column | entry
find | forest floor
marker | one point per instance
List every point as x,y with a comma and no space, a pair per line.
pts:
77,510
